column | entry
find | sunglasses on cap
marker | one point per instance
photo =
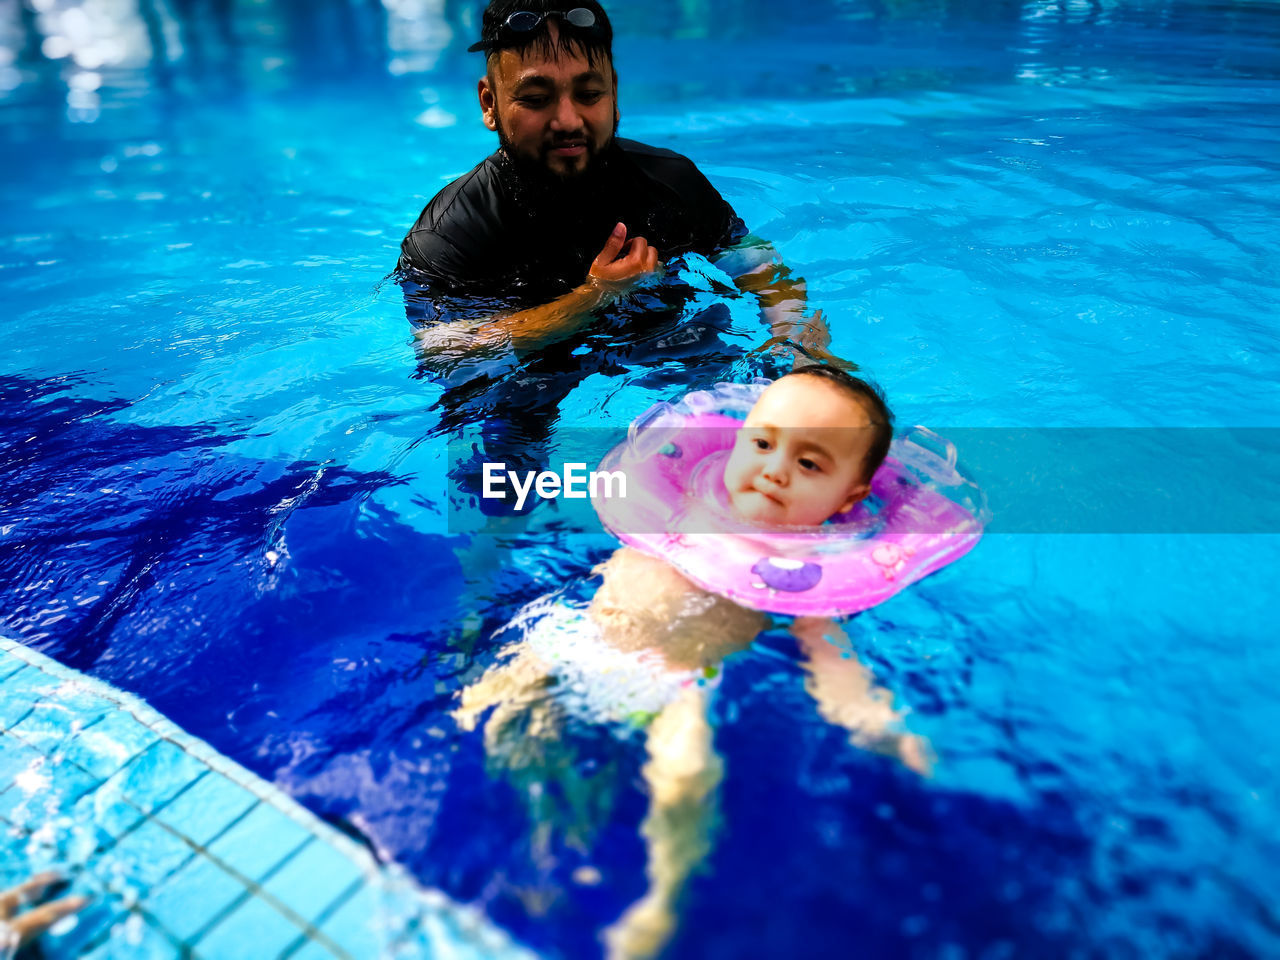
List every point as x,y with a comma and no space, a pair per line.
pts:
523,22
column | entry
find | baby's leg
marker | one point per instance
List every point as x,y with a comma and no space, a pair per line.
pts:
682,775
524,744
511,687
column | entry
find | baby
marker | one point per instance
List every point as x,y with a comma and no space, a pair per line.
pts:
807,451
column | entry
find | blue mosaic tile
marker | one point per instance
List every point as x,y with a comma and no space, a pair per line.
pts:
357,925
21,692
461,932
9,665
259,842
209,807
311,882
63,845
158,774
109,744
153,895
255,922
134,939
312,950
143,858
106,811
193,898
51,793
59,717
16,758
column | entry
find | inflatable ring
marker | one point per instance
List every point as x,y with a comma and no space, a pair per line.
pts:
920,516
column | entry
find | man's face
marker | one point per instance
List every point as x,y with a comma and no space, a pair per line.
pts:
556,113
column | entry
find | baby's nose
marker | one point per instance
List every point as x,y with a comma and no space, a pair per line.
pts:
775,469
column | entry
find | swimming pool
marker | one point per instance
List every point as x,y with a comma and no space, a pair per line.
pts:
223,476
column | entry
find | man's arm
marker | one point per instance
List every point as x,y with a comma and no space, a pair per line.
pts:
621,264
757,269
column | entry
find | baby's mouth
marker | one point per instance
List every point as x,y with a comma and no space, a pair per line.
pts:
770,497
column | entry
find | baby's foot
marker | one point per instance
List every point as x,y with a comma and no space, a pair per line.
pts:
641,932
912,751
916,754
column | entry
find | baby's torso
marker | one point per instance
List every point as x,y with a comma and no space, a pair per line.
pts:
646,604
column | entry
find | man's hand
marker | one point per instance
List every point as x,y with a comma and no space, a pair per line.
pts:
757,269
623,262
16,931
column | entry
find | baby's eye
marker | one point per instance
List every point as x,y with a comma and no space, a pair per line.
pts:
761,443
810,465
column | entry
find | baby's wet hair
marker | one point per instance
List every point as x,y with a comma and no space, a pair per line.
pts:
871,397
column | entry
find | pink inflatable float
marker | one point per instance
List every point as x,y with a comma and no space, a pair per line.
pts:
921,514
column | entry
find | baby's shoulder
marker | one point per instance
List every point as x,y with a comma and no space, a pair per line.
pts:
642,575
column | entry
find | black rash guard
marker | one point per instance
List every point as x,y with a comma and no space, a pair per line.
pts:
491,234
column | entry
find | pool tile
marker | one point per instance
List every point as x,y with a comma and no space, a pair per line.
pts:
210,806
18,758
107,811
193,898
434,935
148,781
133,938
109,744
312,950
154,895
61,716
358,926
50,792
254,922
158,774
259,842
311,882
143,858
9,665
21,692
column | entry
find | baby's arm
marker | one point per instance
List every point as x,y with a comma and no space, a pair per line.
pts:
847,696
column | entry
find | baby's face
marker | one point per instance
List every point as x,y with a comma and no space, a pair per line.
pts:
798,458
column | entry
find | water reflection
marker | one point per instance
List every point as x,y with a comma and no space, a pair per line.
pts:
91,54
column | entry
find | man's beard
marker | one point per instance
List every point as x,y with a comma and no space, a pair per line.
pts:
537,174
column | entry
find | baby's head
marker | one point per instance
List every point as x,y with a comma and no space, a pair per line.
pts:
808,449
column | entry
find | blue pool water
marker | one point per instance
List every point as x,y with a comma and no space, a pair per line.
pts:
222,474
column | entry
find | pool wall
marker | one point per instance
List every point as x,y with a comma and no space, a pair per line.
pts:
184,852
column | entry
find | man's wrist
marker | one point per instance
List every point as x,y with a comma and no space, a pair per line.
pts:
597,293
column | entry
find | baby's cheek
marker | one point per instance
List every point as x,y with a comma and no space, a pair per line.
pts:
749,506
731,479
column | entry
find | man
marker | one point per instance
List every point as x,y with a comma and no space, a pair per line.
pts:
566,218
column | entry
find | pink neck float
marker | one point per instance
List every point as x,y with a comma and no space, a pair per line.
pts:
921,514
